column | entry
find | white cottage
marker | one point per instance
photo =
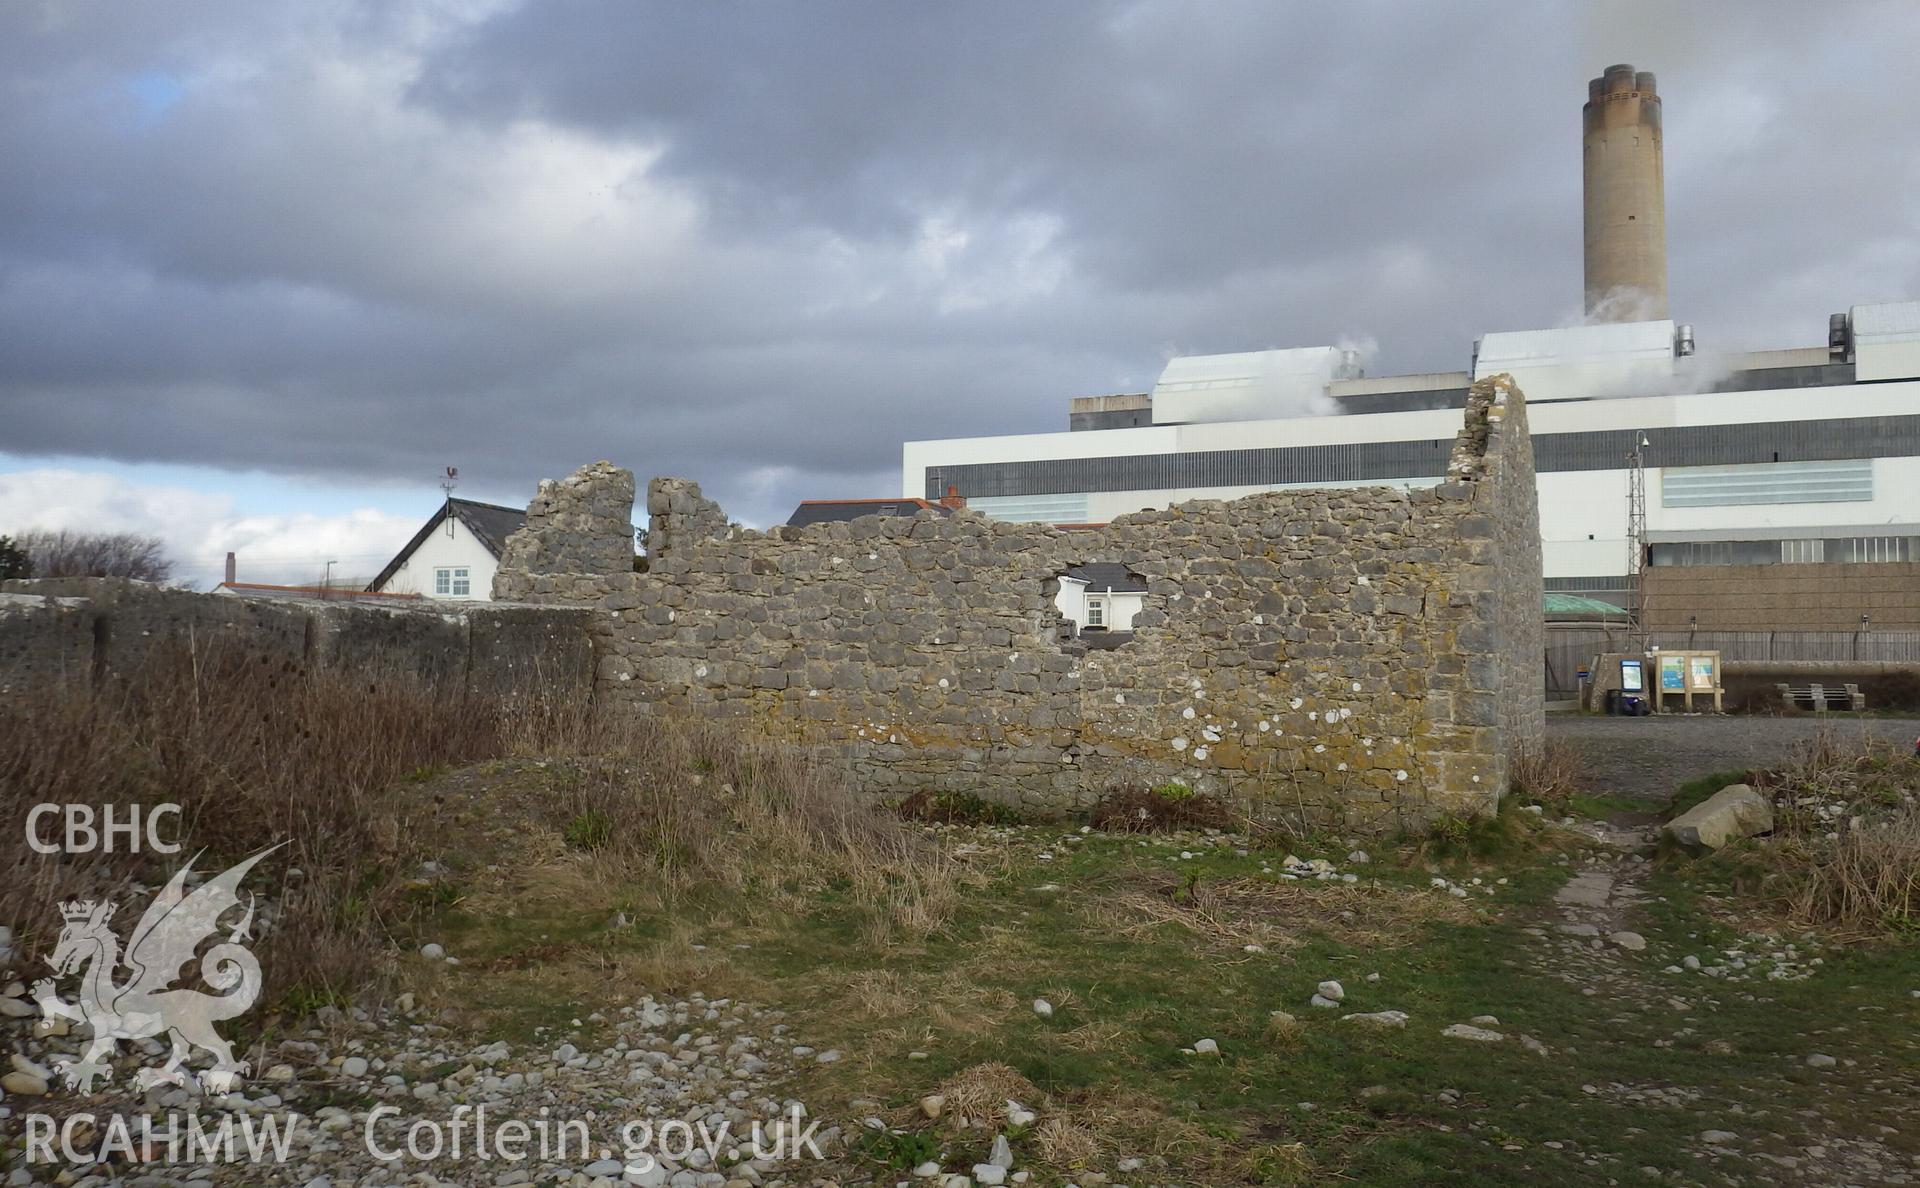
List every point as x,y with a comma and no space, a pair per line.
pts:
454,555
1101,597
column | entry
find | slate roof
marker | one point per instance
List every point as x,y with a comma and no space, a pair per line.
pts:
828,511
1105,575
491,523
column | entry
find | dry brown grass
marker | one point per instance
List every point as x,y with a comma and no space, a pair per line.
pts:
1844,855
343,768
1866,881
977,1097
686,806
257,751
1070,1144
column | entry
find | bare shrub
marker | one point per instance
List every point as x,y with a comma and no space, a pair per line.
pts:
1892,691
1866,880
1846,853
256,750
1161,809
1754,695
1859,776
97,554
1550,774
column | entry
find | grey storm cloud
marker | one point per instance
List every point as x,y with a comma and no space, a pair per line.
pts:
762,245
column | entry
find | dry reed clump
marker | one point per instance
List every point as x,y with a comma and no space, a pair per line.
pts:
685,806
1845,853
256,750
259,750
1549,774
1866,880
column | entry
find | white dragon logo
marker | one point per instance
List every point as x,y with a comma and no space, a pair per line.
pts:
143,1006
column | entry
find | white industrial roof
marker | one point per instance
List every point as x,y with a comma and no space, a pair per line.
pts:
1503,350
1247,385
1891,319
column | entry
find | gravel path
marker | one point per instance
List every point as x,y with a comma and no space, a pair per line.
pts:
1648,758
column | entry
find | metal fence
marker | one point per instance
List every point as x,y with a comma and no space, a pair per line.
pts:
1571,649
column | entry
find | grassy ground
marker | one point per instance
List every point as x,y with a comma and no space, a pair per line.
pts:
1145,946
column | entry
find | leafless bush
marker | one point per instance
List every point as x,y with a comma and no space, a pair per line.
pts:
1550,774
97,554
1846,848
256,750
1825,777
1866,880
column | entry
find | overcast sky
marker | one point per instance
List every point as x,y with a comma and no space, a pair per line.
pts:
267,268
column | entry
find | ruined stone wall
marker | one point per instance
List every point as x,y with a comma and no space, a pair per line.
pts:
88,629
1367,655
1513,506
579,529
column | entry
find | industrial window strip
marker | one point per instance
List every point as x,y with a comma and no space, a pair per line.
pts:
1053,509
1854,550
1384,461
1838,481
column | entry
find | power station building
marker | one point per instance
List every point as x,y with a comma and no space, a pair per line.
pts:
1759,490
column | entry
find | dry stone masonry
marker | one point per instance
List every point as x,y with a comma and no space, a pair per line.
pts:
579,530
1366,655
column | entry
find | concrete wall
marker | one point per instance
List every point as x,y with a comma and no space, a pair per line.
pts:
1369,655
1782,597
81,629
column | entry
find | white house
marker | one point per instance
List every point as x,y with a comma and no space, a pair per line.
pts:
454,555
1102,597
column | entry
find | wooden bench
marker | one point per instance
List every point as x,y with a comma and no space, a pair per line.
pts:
1821,698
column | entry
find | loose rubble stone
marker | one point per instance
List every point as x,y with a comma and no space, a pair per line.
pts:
1383,1019
1733,812
1467,1031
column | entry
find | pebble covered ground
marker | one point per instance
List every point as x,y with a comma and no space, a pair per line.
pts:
355,1086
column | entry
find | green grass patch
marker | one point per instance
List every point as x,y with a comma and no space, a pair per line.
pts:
1138,942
